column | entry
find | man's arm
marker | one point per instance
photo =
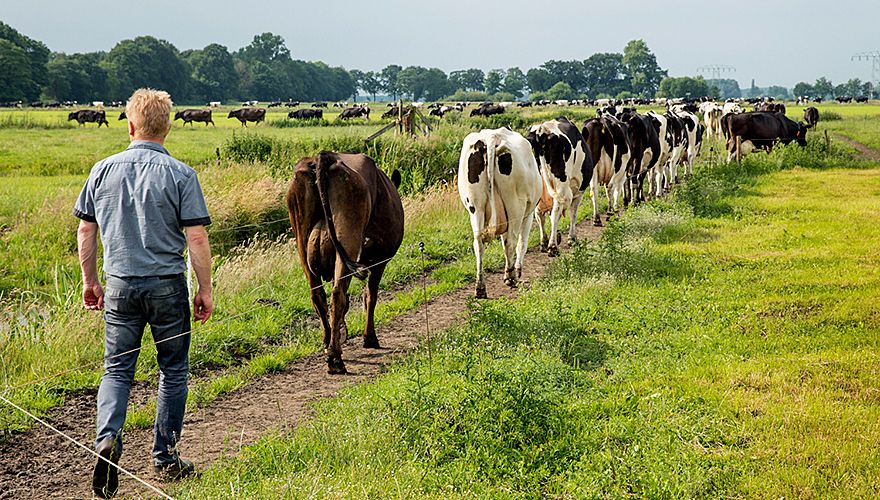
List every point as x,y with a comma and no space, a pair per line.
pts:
200,255
87,242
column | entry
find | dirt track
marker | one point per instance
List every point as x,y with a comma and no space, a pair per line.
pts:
40,464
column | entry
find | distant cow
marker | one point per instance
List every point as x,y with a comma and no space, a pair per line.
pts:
194,115
122,116
347,220
245,115
566,169
499,185
274,104
84,116
355,112
487,110
811,117
761,131
392,111
214,104
319,105
306,113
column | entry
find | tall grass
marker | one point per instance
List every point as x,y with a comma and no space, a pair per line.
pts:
30,121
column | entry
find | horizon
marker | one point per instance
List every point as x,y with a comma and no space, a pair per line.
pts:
62,33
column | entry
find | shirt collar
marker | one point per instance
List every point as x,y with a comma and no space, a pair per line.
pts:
154,146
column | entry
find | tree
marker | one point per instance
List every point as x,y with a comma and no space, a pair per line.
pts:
823,88
145,62
642,69
418,82
390,84
468,79
570,72
684,86
515,82
30,56
605,73
539,79
802,89
494,80
266,48
778,92
15,73
561,90
76,77
213,73
371,83
728,88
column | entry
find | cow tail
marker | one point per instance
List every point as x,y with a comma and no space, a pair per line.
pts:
490,173
325,161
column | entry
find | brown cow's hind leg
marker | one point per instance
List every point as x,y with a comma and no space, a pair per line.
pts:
338,308
371,296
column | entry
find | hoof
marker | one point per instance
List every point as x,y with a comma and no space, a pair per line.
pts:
543,247
598,222
572,241
481,293
511,282
371,342
335,366
553,251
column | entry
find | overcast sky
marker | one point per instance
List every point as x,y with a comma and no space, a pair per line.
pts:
773,41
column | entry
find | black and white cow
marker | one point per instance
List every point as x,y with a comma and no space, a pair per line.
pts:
566,168
645,143
693,132
499,185
608,141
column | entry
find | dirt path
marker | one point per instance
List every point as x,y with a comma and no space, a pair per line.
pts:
39,464
865,152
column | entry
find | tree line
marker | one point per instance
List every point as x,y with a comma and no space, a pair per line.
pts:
266,70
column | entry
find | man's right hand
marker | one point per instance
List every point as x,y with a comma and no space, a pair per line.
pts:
93,296
203,306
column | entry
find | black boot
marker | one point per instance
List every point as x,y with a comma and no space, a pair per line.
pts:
105,479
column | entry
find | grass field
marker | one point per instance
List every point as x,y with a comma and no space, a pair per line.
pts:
723,343
720,343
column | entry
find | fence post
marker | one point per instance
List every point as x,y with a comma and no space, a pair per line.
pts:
827,140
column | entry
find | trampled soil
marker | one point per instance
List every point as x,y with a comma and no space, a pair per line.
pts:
41,464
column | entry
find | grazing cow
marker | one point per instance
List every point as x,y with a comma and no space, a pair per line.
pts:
761,131
770,107
693,137
500,186
122,116
442,110
712,113
862,98
811,117
347,220
194,115
393,111
306,113
319,105
291,104
87,115
645,143
610,149
487,110
245,115
566,168
274,104
355,112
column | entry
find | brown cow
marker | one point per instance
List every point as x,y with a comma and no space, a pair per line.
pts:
245,115
194,115
347,219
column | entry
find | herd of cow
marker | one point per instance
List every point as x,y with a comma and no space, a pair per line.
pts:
347,215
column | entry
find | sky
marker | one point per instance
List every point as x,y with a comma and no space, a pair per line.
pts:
775,42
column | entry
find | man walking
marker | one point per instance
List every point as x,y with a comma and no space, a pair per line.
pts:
148,207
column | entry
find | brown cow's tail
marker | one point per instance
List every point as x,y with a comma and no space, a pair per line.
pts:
325,161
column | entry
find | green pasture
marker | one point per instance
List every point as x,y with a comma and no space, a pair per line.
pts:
722,343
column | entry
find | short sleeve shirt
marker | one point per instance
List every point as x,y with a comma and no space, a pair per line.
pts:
141,199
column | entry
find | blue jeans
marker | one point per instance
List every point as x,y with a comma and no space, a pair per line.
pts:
129,305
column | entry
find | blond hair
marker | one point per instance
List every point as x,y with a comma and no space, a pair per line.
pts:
149,112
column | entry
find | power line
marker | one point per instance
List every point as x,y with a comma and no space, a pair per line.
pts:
874,57
715,70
